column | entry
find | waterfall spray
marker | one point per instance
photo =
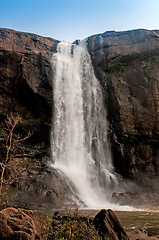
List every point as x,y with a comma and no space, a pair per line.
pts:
79,139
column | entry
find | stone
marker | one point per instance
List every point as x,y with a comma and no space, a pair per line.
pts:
44,190
21,224
108,226
141,234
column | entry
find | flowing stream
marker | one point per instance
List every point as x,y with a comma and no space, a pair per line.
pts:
80,145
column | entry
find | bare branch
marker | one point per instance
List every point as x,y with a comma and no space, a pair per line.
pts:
11,161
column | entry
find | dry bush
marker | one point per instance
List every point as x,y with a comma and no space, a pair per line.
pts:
12,153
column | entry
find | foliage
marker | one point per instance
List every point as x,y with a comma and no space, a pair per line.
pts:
148,67
33,120
148,59
116,67
72,227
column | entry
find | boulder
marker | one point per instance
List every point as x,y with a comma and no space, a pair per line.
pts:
19,224
141,234
108,226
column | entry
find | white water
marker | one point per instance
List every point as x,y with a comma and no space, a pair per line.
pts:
80,146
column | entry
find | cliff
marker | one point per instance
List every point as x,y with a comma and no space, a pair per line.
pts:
25,72
127,63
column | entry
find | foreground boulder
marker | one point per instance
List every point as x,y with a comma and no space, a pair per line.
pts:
21,224
108,226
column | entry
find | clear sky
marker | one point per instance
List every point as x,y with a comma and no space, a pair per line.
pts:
77,19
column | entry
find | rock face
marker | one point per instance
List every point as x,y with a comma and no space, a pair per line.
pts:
108,226
42,189
26,73
126,63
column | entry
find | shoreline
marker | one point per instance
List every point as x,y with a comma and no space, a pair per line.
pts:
138,219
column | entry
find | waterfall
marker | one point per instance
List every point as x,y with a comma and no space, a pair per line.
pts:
80,146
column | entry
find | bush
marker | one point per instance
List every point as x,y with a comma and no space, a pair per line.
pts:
72,227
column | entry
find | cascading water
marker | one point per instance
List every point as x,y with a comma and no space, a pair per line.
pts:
80,146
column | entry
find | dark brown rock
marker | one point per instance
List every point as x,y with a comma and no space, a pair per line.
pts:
26,73
126,64
108,226
46,189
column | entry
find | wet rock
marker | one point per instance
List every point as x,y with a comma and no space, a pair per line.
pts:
108,226
43,189
123,198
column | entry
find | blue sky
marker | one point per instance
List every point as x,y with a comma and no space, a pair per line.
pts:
77,19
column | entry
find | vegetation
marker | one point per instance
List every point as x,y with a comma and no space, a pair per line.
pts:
72,226
116,67
33,120
15,156
148,59
10,170
148,67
